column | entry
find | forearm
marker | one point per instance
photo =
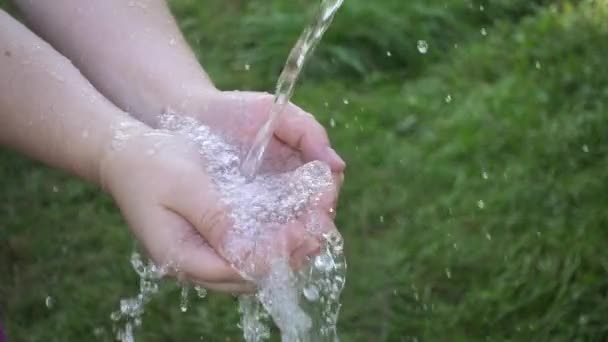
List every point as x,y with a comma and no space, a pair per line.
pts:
48,109
132,51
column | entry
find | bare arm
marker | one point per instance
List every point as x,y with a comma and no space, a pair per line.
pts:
132,51
47,109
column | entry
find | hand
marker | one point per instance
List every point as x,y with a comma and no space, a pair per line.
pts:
298,139
160,183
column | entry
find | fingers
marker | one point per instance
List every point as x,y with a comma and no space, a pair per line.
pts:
303,132
196,200
172,241
232,288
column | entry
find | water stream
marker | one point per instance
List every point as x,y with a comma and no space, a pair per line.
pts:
296,60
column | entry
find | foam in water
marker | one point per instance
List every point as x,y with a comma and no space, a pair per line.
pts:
305,304
296,60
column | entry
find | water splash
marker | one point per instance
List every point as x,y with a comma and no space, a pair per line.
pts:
131,309
285,85
305,304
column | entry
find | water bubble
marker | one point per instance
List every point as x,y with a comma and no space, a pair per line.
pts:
488,237
247,67
201,292
448,98
423,46
388,54
332,122
481,204
381,218
481,8
484,175
49,302
311,293
345,101
585,148
483,31
324,262
448,273
537,65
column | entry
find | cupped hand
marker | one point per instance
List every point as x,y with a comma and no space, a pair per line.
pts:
160,182
298,137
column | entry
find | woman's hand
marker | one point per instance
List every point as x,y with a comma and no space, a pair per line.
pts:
298,138
159,181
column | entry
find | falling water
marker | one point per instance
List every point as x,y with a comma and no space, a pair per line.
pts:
284,90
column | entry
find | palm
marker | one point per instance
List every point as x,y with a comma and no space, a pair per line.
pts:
240,115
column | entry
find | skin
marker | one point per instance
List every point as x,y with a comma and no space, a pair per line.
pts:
116,85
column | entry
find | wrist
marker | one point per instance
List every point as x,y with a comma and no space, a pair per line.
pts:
157,96
121,131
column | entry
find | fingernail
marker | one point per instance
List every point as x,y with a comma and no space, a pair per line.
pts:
335,158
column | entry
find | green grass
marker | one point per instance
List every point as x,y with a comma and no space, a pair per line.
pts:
482,218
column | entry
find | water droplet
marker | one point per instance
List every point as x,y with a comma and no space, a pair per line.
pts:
85,133
582,320
173,41
247,67
388,54
201,292
311,293
483,31
537,65
448,98
484,175
345,101
448,273
99,332
488,236
150,151
49,302
381,218
183,303
423,46
324,262
332,122
585,148
481,8
481,204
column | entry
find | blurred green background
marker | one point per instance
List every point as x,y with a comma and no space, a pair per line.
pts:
475,206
